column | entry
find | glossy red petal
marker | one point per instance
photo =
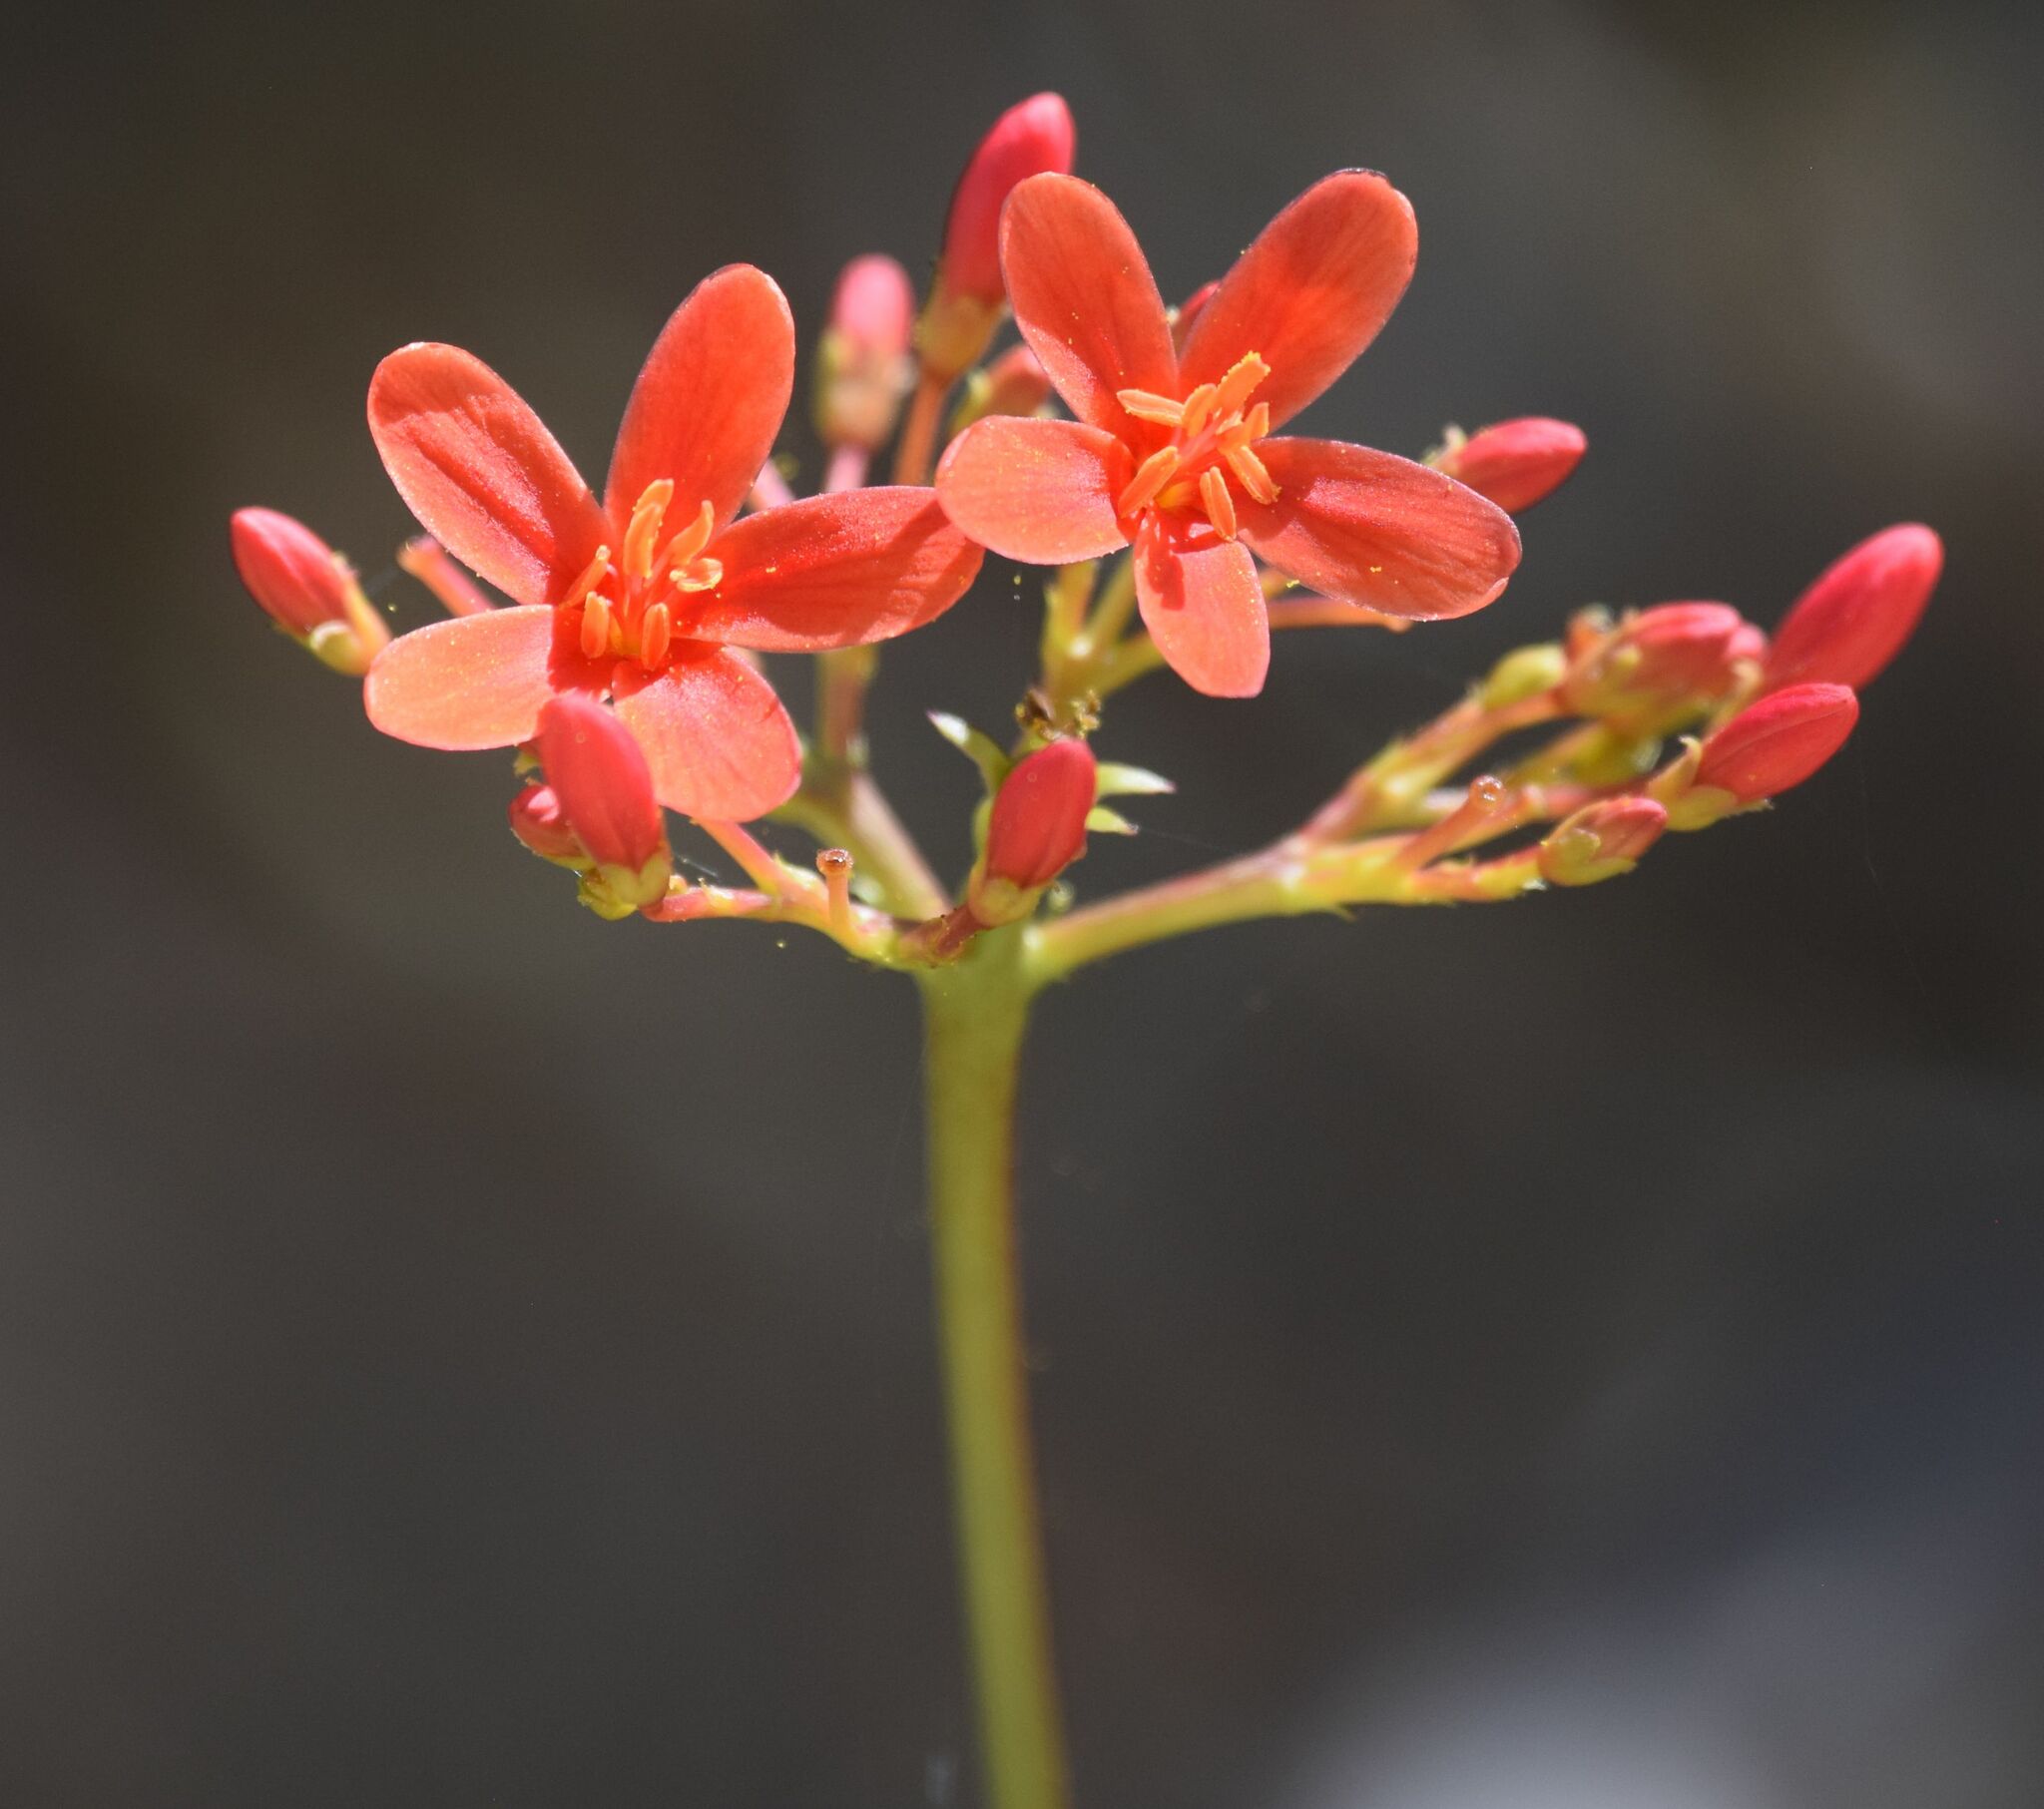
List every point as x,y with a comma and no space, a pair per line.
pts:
708,400
1779,742
835,571
1379,531
1038,491
1516,463
600,777
481,472
1312,292
1084,297
1031,137
714,736
1038,824
474,682
293,572
1203,607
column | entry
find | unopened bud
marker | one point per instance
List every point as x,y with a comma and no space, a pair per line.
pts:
596,771
537,820
1014,383
1660,665
1601,841
864,370
1861,613
1036,830
306,589
1524,673
1516,463
1774,745
965,307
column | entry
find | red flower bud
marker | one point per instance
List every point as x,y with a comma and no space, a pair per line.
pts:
1037,828
537,820
1516,463
1660,663
306,589
1031,137
1601,841
864,365
596,771
1776,743
1858,615
1016,383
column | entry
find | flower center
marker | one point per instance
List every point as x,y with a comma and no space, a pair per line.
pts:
1212,439
628,606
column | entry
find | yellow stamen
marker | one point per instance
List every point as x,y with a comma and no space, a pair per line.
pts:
1258,420
1220,505
1199,410
596,627
691,540
698,574
1146,405
1252,473
1234,389
654,634
593,574
644,528
1150,476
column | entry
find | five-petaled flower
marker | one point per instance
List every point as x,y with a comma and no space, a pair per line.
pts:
645,595
1170,451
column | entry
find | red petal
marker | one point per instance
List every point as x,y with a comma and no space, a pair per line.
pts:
1379,531
1038,491
475,681
716,736
1860,611
835,571
1084,297
1312,292
481,472
1203,607
710,398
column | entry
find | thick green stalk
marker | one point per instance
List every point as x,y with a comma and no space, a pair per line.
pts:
975,1015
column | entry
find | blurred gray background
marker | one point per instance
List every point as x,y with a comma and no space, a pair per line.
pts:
1584,1355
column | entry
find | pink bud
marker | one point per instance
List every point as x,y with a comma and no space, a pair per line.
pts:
537,820
1776,743
1031,137
1858,615
874,306
1016,383
599,775
1038,826
1601,841
1660,663
1516,463
864,366
289,570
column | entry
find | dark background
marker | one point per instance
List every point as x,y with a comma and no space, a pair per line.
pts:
1585,1355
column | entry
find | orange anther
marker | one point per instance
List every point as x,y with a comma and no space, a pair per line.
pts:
595,625
1145,405
1150,476
655,635
1199,409
691,540
1235,388
592,574
1220,505
644,529
1252,473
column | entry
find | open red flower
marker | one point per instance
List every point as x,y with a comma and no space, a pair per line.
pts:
1170,453
645,595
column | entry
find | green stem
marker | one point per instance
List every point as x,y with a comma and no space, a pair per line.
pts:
975,1015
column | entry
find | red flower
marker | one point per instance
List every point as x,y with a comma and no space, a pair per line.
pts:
645,595
1038,825
306,589
1516,463
1170,451
1861,611
1660,663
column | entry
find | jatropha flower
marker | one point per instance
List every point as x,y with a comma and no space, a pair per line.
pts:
1515,463
1170,450
306,589
645,595
1860,611
596,815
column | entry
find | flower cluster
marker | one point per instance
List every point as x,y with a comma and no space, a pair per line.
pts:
1138,452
